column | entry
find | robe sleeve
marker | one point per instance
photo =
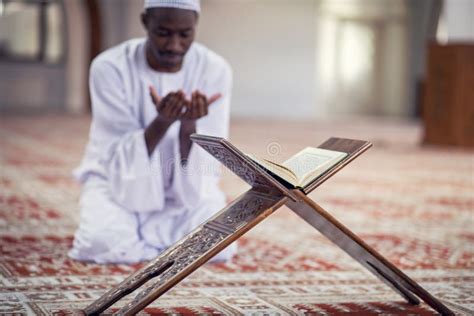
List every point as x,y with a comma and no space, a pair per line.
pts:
117,149
198,180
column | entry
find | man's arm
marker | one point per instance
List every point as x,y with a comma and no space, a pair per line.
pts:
185,142
154,133
169,109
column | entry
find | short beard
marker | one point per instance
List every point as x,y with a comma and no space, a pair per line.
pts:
155,54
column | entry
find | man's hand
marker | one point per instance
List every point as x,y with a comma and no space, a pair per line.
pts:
175,106
170,109
171,106
194,109
197,107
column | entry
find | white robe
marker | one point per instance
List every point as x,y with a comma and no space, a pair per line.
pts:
133,206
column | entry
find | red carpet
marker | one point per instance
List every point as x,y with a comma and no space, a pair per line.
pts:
414,204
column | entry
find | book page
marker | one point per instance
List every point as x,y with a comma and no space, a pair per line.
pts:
311,162
303,167
280,170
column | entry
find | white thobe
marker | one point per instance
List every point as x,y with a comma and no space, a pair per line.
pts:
133,206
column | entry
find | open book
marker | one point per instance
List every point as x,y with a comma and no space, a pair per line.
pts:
303,167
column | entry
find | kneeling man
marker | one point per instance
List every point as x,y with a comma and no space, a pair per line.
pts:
145,185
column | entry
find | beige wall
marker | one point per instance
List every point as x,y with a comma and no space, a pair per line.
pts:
271,46
458,16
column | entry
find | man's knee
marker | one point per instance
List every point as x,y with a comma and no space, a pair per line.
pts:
90,245
110,247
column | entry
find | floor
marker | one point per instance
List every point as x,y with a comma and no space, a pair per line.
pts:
412,202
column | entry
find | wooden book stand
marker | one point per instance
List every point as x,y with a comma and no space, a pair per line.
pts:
266,196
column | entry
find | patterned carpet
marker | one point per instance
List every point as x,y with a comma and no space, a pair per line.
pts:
412,203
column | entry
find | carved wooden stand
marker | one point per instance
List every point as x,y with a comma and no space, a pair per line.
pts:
249,209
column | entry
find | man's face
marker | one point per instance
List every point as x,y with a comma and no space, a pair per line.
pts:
170,34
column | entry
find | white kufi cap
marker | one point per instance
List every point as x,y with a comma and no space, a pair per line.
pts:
193,5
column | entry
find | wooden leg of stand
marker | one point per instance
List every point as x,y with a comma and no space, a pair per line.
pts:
191,252
396,286
363,253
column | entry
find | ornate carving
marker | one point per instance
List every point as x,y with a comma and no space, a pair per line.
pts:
165,266
244,210
236,165
183,255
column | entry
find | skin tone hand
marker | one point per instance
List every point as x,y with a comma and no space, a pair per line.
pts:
171,108
197,107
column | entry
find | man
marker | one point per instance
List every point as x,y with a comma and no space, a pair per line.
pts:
145,185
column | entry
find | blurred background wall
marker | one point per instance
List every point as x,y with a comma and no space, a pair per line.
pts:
292,59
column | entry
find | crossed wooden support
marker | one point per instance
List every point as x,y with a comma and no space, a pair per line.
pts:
266,196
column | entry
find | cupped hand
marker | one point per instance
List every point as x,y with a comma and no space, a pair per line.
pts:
170,107
198,106
175,106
